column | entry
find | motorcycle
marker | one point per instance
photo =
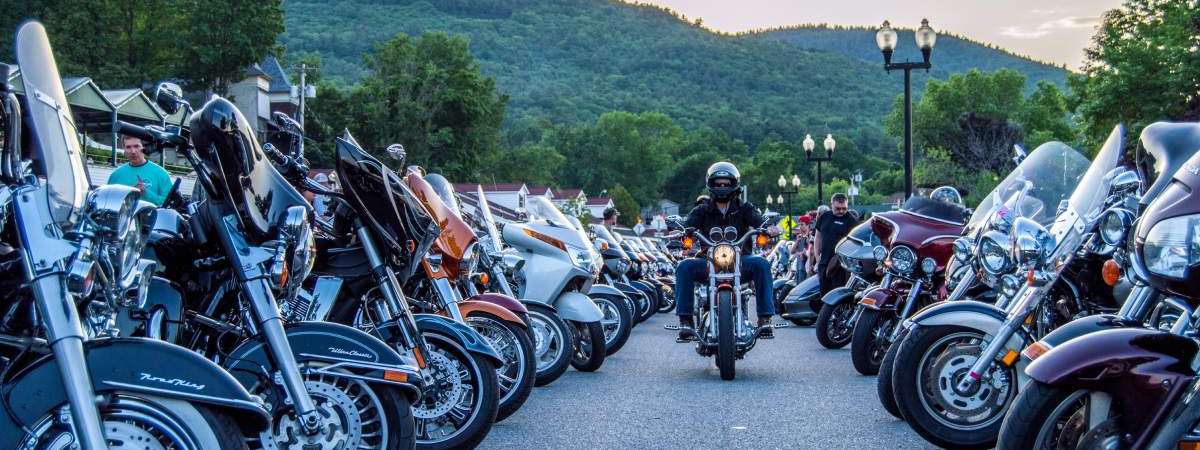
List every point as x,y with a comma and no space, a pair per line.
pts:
919,238
616,264
838,309
614,304
724,329
961,368
69,378
1074,397
446,279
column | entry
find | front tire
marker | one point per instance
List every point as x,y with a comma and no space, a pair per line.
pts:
883,383
870,341
458,408
935,358
834,329
726,358
589,346
515,347
552,343
1047,417
616,323
146,421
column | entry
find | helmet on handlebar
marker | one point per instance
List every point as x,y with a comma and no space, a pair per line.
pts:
723,171
946,194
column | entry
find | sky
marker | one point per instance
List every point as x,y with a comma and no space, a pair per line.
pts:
1055,31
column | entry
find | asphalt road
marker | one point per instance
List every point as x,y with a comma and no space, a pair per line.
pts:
789,393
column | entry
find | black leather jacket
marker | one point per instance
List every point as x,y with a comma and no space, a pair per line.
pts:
743,216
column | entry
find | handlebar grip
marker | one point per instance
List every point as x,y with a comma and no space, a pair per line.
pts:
136,131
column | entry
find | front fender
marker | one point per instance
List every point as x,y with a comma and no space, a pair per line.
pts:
1141,368
466,307
340,346
880,298
504,301
979,316
1086,325
604,289
134,365
838,295
577,307
464,335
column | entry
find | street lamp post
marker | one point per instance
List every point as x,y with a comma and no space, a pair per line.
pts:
787,190
809,145
886,39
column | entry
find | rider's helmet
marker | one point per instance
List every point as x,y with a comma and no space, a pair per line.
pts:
946,194
723,192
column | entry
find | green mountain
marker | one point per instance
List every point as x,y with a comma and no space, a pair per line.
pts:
568,61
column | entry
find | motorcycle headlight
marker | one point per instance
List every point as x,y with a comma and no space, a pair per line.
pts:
1173,245
298,233
723,256
928,265
992,255
879,252
1114,225
581,257
468,259
120,224
963,247
1009,285
902,259
1031,241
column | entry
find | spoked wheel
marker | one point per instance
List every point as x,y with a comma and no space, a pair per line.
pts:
552,344
617,323
668,302
512,342
142,422
834,328
458,407
1050,418
872,336
353,414
589,346
726,357
936,359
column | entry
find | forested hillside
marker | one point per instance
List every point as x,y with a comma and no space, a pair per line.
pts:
569,61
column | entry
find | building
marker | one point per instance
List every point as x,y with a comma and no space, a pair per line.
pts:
265,90
597,205
508,195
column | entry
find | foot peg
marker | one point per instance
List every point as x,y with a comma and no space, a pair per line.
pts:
686,334
672,327
781,325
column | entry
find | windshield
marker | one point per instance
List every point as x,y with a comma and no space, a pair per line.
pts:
1035,187
936,209
540,208
445,191
55,140
613,244
489,222
1093,187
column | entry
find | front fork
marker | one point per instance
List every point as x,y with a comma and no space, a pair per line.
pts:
909,306
1016,317
395,304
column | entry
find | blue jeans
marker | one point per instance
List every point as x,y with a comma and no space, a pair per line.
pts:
754,268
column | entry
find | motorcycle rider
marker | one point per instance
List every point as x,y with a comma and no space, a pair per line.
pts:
722,209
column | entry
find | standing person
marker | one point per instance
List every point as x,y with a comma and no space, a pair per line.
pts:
610,217
142,174
802,236
831,227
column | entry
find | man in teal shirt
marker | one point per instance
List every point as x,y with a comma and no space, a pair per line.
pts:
140,173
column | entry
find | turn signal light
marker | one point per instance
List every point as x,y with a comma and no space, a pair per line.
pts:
1035,350
1009,358
868,301
392,375
762,240
1111,272
1189,445
546,238
688,242
484,279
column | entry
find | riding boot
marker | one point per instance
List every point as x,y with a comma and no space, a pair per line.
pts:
687,329
768,331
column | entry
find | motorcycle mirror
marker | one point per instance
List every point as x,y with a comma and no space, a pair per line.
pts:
1019,154
396,152
168,96
1127,181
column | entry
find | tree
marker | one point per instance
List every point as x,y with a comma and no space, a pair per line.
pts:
1142,67
223,37
625,204
530,163
428,94
621,147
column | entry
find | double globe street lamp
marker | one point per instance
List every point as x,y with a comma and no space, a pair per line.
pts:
886,39
809,145
787,190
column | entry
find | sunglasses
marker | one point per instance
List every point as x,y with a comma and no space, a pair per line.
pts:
722,183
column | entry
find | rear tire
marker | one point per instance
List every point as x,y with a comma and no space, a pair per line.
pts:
864,347
726,358
589,346
832,330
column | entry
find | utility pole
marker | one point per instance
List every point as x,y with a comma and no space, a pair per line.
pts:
303,92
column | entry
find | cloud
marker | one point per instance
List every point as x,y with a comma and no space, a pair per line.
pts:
1045,28
1046,12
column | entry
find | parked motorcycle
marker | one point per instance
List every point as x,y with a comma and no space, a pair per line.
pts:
839,310
918,239
1075,397
73,262
724,329
961,368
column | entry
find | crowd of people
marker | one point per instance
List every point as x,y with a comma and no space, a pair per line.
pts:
814,236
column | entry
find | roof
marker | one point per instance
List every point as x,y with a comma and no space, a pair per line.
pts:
598,201
500,212
539,190
279,78
133,103
496,188
256,70
569,193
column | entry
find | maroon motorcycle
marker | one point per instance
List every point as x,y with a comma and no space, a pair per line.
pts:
917,243
1126,385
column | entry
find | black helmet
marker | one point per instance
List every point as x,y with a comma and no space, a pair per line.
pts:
727,171
610,213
